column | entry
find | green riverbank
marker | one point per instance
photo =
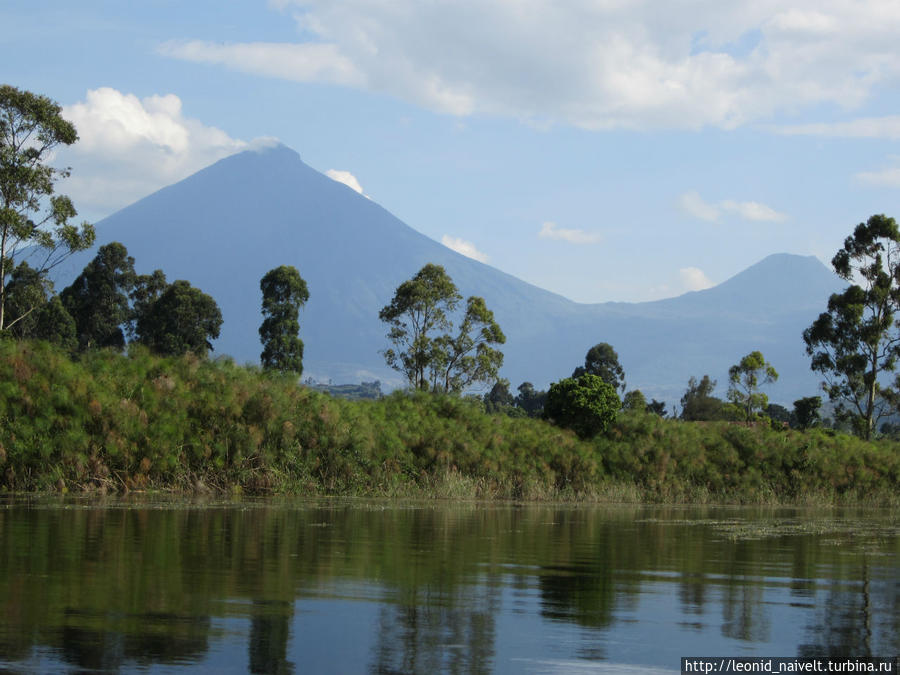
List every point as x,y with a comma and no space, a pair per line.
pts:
112,423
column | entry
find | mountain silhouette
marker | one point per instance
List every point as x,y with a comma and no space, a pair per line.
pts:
227,225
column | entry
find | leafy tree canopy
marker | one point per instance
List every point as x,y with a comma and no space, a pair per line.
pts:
32,217
530,400
635,400
284,292
182,319
98,299
745,380
806,411
857,339
425,347
603,361
30,296
586,404
698,403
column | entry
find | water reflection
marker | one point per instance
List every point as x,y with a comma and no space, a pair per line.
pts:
285,587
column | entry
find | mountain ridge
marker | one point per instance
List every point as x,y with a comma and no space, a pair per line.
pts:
228,224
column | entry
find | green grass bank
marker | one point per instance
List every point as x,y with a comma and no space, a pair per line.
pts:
109,422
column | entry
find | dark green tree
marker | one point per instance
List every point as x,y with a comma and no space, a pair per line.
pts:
499,398
603,361
586,404
635,400
98,299
530,400
425,349
182,319
284,292
857,339
745,380
698,403
657,407
32,217
806,411
147,289
30,296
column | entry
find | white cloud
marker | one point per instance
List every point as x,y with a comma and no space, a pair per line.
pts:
885,178
464,247
865,127
129,147
693,204
593,64
346,178
753,211
551,230
296,62
693,279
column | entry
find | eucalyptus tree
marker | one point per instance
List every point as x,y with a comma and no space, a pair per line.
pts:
98,299
746,378
34,221
857,341
425,347
284,292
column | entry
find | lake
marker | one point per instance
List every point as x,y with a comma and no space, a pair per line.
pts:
281,586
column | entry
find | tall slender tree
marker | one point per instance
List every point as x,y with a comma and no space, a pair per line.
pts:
284,292
857,340
34,222
745,380
98,299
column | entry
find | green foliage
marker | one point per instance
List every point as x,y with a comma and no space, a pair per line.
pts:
31,215
531,400
806,411
500,400
98,299
603,361
29,295
634,400
745,379
586,404
857,339
657,407
425,349
698,404
284,292
182,319
108,421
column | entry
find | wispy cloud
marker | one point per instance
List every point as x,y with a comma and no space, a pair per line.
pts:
287,61
346,178
864,127
595,65
753,211
466,248
550,230
693,204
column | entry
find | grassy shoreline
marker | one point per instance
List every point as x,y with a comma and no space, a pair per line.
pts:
106,422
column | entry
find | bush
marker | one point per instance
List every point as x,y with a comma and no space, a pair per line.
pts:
586,404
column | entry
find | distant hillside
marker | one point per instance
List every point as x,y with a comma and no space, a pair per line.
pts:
224,227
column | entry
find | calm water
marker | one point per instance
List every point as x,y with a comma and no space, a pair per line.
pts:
352,587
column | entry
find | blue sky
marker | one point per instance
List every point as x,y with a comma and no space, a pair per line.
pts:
603,149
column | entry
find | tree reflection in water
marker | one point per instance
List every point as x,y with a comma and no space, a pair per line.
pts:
119,586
